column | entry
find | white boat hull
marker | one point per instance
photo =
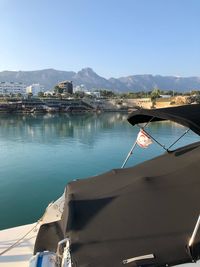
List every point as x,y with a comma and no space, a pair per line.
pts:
17,244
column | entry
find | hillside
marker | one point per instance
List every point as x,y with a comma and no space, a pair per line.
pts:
49,77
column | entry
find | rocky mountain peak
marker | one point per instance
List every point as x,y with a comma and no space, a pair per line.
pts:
86,72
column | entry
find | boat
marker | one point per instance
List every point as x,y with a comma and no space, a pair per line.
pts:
146,215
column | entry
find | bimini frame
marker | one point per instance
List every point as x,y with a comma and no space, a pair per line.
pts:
151,137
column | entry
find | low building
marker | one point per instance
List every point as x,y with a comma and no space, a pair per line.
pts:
34,89
93,94
7,88
80,88
165,96
67,86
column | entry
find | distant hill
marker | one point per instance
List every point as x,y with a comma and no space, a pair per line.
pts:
50,77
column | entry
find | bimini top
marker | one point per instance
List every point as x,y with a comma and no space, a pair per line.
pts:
188,115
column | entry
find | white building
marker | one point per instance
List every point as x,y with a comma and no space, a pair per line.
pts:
94,94
80,88
12,88
34,89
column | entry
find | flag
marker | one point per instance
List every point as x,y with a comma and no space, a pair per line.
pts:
143,140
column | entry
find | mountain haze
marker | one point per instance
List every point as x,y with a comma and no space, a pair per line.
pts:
50,77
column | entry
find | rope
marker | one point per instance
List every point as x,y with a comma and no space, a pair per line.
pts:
19,240
22,238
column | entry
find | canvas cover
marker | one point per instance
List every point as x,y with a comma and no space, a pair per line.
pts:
151,208
187,115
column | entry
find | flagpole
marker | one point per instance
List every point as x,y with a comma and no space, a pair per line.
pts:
129,154
194,232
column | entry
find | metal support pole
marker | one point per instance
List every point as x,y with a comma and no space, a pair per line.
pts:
150,136
132,148
155,140
129,154
194,232
178,139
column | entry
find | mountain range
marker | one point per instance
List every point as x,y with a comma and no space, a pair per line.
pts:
91,80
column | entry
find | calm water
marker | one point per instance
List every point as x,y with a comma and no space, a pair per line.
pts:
39,154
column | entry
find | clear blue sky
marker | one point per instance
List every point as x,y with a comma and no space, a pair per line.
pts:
114,37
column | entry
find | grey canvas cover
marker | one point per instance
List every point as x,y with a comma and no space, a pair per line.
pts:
149,209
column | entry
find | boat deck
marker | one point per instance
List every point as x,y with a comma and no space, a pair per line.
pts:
23,251
17,244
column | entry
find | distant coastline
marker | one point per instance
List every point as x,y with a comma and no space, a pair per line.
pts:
30,104
53,105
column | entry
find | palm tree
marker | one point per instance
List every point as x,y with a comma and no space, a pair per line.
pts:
154,95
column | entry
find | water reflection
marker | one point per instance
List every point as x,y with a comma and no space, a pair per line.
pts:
52,128
39,154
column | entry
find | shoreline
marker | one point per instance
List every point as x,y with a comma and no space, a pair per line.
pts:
52,105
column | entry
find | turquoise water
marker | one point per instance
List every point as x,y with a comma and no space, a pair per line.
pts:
39,154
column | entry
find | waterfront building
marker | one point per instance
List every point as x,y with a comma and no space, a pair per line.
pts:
67,86
7,88
93,94
34,89
80,88
165,96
